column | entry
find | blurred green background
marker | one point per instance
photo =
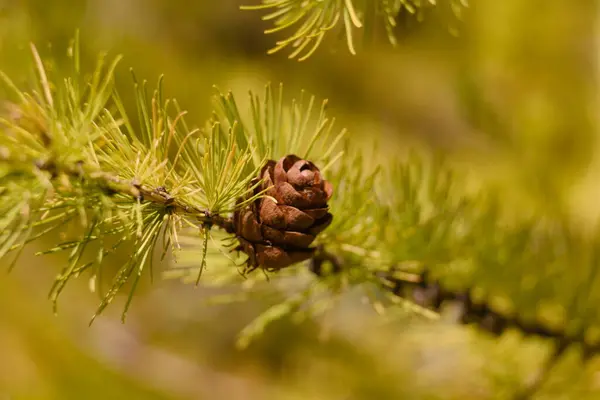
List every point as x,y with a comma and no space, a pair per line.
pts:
512,97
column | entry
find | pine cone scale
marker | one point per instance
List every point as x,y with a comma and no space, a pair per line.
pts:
289,238
321,225
296,219
250,227
272,215
271,257
286,194
316,213
281,216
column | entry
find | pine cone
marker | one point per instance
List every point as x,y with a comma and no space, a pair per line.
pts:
273,234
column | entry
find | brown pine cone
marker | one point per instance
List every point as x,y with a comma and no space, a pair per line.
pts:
273,234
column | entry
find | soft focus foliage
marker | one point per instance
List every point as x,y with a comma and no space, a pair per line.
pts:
511,102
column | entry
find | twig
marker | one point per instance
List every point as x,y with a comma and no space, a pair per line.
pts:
426,292
115,185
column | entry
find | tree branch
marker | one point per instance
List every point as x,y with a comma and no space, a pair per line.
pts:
431,294
115,185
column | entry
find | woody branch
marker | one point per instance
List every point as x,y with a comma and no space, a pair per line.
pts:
113,185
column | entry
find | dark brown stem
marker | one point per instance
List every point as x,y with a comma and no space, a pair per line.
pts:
429,293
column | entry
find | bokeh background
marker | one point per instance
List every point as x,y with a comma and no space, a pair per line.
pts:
510,93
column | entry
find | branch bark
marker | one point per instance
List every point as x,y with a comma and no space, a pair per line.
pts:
430,293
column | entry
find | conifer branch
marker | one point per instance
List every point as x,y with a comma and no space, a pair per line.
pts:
113,185
429,293
69,152
407,228
312,20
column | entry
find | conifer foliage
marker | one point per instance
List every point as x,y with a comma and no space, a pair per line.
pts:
279,188
310,21
69,153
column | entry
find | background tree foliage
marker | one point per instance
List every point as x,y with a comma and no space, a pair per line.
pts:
507,91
